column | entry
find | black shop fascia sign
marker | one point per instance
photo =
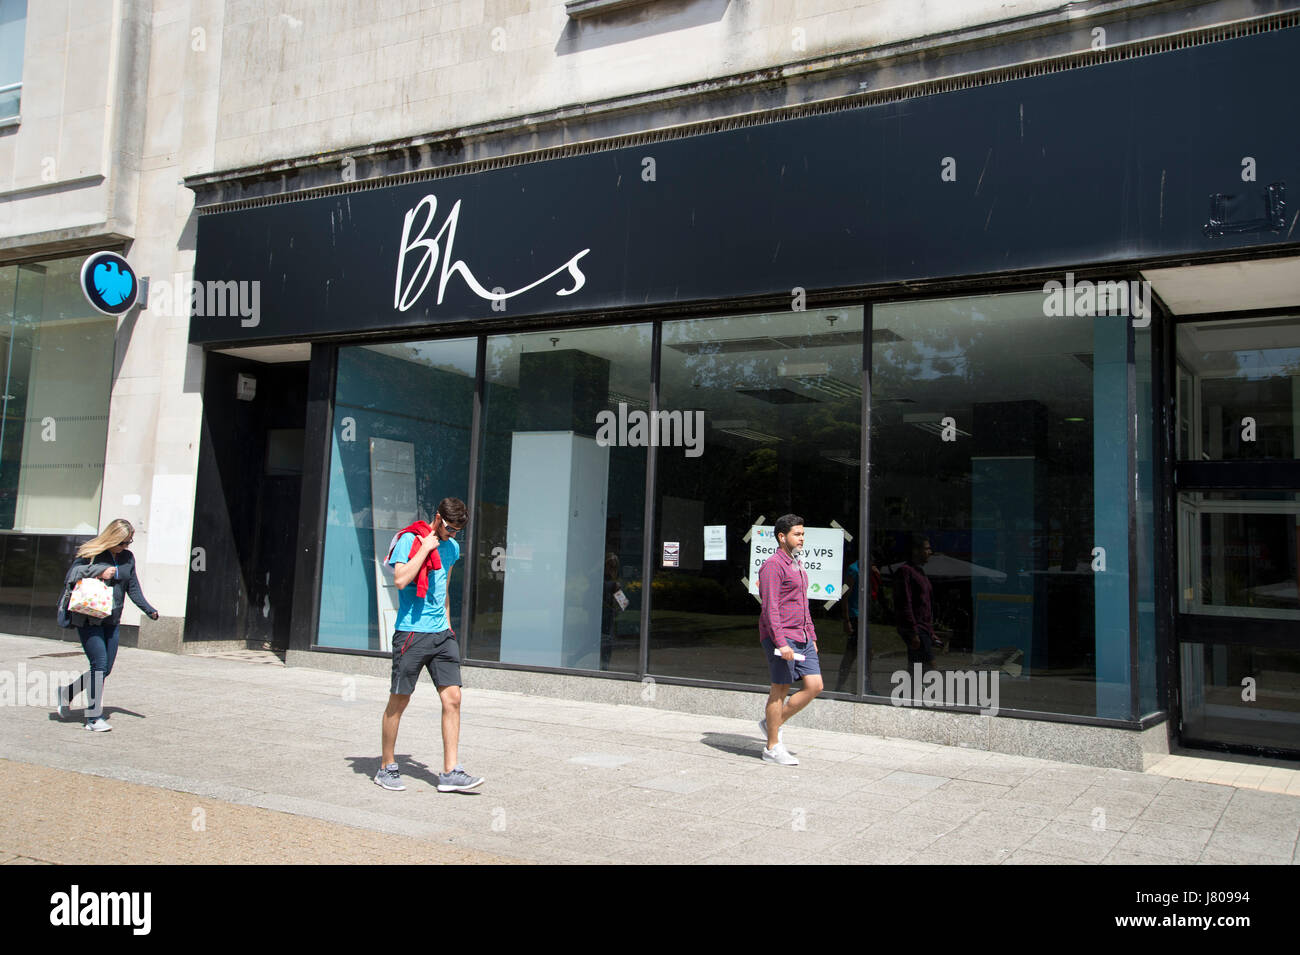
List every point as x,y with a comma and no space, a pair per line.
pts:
1130,160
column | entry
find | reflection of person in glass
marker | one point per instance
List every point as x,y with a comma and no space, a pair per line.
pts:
913,603
785,632
609,608
849,608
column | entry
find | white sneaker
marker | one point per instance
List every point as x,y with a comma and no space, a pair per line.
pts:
99,726
779,754
780,731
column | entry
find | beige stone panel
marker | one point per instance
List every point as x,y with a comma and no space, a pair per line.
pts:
178,436
88,13
82,147
471,12
80,206
7,151
132,428
145,351
169,48
124,386
163,128
253,121
199,117
46,19
36,141
86,86
164,585
170,11
43,79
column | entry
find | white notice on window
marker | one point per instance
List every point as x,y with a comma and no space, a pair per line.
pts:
715,541
672,553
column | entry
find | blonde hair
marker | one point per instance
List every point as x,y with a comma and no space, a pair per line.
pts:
117,532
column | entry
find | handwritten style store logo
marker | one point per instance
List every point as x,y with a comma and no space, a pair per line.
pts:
409,289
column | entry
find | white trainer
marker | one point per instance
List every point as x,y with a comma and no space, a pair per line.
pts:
780,755
99,726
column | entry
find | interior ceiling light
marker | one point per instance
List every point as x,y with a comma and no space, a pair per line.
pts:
817,377
842,457
777,396
790,343
830,386
931,422
741,429
617,397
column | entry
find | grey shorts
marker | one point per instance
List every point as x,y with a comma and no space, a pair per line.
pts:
783,672
435,652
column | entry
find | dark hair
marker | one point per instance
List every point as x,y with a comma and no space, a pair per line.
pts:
453,511
785,522
915,542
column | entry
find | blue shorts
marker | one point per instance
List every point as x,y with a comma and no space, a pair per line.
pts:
795,670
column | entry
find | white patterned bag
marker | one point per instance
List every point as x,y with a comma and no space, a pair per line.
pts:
92,597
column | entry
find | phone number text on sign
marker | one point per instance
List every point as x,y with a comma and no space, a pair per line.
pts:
823,559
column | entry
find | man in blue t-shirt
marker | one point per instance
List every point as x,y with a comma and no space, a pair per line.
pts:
421,558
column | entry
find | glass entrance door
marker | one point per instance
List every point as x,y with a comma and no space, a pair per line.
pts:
1238,527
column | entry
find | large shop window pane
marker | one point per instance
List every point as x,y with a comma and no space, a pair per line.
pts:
778,403
402,416
1001,436
562,499
1239,390
1238,553
1146,523
1214,709
56,360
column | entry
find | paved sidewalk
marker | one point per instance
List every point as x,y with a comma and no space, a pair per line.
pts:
587,782
56,817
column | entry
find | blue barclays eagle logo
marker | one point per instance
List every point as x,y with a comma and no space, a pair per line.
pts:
114,285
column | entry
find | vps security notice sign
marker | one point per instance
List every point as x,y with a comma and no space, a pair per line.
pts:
822,558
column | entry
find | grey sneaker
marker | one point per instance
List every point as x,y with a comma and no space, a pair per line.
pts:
780,755
457,781
64,702
389,778
780,731
98,726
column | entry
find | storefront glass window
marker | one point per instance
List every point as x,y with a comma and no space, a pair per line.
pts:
56,361
777,403
1239,553
1146,528
1000,437
1217,709
402,418
561,503
1239,390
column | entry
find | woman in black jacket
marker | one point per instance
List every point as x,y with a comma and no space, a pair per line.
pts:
107,558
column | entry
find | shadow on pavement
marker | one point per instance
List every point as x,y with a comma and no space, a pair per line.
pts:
731,743
78,714
409,767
